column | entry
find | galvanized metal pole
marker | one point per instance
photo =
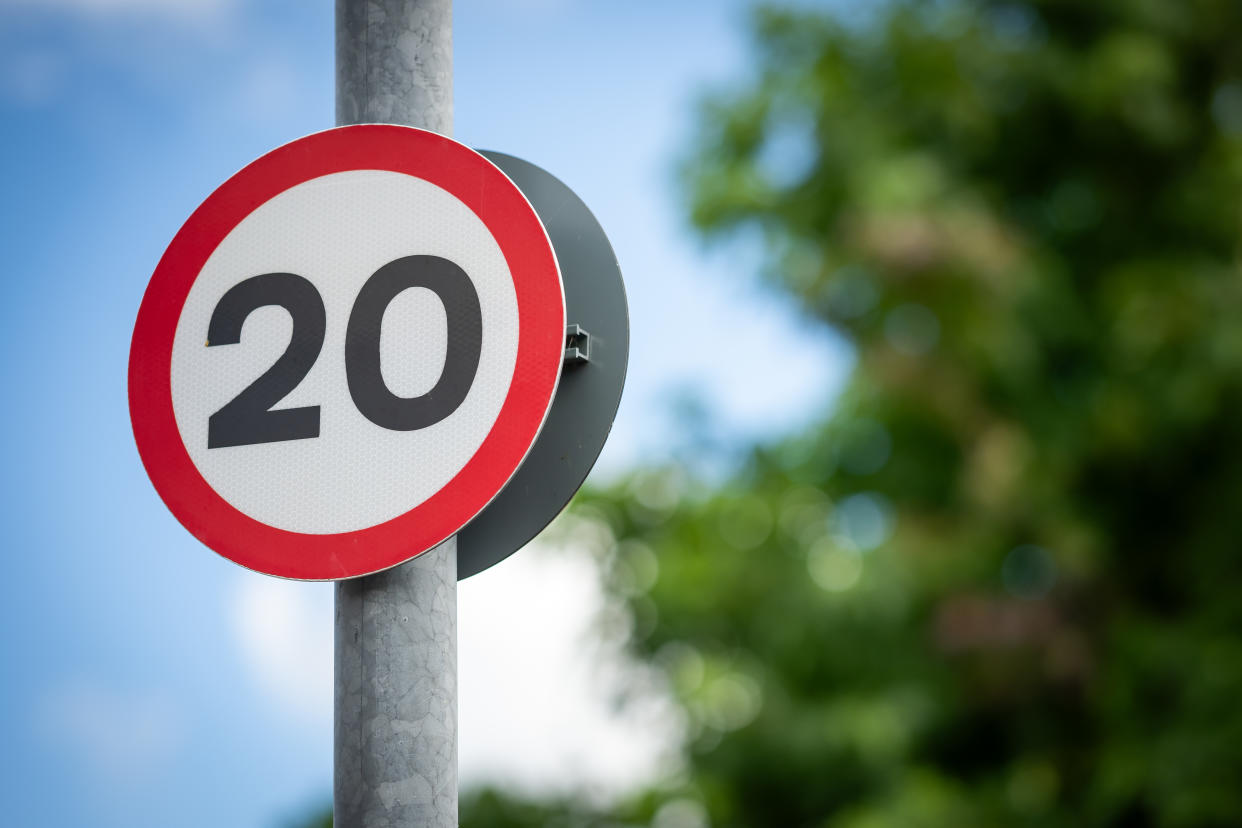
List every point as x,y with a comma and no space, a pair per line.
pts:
395,748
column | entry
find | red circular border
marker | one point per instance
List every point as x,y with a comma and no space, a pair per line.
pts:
498,202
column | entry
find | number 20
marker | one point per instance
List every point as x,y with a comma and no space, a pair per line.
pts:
249,419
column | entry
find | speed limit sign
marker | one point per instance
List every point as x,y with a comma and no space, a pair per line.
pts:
346,352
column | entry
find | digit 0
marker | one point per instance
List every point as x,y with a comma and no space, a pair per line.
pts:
371,395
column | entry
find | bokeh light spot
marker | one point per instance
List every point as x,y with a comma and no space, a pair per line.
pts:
912,329
746,523
680,813
851,293
834,564
865,520
1028,571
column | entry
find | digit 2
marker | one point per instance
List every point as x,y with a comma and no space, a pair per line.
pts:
248,418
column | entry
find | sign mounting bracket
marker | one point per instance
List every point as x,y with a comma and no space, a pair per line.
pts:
577,344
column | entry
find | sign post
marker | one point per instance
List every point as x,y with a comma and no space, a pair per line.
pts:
395,665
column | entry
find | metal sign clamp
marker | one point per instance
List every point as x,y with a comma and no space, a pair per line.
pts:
577,344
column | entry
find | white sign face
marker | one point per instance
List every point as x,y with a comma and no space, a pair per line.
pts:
336,232
367,336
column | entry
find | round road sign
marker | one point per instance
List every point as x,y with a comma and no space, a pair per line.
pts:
346,352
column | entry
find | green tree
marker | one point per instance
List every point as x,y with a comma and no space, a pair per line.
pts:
999,584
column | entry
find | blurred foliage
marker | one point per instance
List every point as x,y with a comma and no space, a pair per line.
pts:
999,584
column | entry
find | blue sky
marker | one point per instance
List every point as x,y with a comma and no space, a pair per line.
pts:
150,682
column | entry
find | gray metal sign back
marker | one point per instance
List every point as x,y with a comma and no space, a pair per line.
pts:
597,353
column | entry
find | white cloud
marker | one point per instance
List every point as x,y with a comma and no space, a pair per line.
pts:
535,687
123,737
284,629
